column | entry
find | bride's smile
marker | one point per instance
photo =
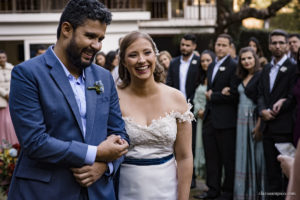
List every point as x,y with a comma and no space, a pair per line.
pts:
140,59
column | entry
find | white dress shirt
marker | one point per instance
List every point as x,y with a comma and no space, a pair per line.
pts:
217,66
183,70
274,70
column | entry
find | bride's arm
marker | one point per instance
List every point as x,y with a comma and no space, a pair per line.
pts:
184,159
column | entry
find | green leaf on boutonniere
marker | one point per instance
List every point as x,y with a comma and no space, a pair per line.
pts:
98,86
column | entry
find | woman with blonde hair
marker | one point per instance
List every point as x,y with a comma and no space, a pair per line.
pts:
164,59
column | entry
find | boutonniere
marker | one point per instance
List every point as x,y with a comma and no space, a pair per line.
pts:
222,68
98,86
283,69
194,62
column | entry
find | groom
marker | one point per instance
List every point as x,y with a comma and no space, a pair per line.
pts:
66,114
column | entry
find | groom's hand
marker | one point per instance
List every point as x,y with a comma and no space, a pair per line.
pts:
89,174
111,149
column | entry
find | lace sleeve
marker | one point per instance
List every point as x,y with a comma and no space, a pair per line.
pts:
186,116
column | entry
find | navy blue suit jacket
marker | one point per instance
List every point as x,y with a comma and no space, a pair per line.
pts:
48,125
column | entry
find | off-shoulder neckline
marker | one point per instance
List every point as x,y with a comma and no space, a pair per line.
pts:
153,121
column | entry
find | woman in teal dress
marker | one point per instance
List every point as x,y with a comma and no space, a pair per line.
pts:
199,105
249,182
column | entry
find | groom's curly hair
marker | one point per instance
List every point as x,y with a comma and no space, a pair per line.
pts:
77,11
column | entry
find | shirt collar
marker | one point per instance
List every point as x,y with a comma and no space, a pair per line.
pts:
68,74
189,60
280,62
222,60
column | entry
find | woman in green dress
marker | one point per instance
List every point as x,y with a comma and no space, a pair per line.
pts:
249,182
199,101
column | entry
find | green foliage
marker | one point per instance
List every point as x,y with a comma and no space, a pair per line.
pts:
287,21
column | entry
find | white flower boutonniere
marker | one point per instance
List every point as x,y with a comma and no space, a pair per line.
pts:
98,86
283,69
222,68
194,62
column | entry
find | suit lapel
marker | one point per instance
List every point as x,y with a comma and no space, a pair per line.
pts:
59,76
267,78
91,101
191,71
222,68
280,74
210,72
177,72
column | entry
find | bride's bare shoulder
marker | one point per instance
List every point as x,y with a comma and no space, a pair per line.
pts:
175,99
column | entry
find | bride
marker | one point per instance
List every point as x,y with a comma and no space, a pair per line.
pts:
159,162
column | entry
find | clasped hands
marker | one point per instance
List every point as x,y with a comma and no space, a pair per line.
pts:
267,114
225,91
107,151
270,114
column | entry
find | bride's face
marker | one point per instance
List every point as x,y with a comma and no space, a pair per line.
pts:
140,59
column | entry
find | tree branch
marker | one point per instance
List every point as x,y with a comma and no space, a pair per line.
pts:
246,12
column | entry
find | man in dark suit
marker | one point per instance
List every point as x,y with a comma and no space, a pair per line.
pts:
66,114
183,70
219,125
182,75
275,106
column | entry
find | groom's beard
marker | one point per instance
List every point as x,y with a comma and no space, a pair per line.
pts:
75,57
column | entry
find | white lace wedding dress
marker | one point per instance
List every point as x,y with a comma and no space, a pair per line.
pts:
151,144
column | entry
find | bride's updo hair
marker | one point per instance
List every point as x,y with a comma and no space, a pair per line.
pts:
126,42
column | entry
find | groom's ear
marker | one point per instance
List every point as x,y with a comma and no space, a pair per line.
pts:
67,30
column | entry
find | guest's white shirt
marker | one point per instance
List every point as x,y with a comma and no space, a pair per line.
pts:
183,70
274,70
217,65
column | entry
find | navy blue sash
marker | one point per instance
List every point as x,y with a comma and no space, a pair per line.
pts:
153,161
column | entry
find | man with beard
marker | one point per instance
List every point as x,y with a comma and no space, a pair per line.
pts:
294,45
66,114
182,75
275,106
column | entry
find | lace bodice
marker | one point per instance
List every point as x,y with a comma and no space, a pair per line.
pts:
157,139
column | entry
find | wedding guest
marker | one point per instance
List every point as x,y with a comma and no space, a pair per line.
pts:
164,59
158,119
249,161
290,165
115,71
100,58
7,132
219,122
206,59
294,45
296,92
66,114
111,60
276,107
255,45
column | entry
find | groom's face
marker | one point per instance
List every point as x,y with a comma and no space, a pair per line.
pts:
85,42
